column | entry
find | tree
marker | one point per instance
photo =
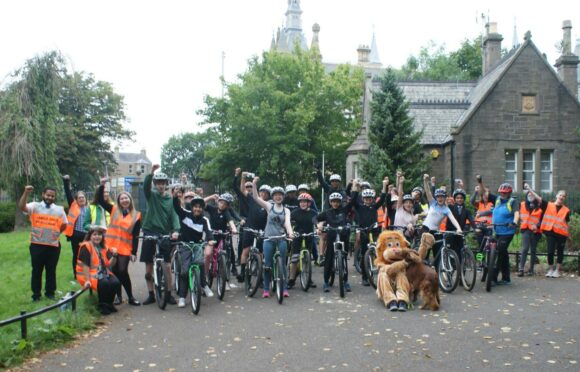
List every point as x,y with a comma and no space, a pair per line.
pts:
186,153
395,145
434,63
280,117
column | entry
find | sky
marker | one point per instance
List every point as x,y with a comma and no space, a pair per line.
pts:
165,56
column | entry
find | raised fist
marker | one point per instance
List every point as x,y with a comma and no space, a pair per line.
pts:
425,177
237,171
155,167
66,177
29,188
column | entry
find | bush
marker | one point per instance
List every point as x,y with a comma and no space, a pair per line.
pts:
574,242
7,211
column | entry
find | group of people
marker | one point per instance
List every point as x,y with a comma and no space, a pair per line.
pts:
104,236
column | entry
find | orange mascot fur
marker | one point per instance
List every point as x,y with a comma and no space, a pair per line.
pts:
393,258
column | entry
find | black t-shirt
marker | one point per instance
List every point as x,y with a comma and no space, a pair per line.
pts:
303,220
366,215
335,217
257,216
218,219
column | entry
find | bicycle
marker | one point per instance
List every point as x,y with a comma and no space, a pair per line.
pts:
162,292
219,264
253,274
449,266
193,270
370,255
305,262
488,254
340,258
468,265
277,269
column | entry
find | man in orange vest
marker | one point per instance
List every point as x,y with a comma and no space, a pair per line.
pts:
531,213
48,221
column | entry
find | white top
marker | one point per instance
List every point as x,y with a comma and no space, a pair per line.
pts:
403,218
435,215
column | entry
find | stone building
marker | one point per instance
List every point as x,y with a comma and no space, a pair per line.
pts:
131,168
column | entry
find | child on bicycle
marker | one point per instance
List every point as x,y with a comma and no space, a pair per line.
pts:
404,216
367,216
193,227
302,219
278,224
462,215
336,216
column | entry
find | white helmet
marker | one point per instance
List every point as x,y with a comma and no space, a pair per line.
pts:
335,196
303,186
335,177
368,193
277,190
365,185
265,188
291,188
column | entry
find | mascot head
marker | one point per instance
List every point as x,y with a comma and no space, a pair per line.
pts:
391,246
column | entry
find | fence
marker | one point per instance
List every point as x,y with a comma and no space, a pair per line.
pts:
24,315
566,255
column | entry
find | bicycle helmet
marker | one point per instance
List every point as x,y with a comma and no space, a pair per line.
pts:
459,192
335,196
277,190
505,187
265,188
197,200
335,177
303,186
418,189
227,197
305,196
407,197
291,188
365,185
160,176
368,193
440,192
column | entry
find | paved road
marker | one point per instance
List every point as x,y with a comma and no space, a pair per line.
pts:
531,325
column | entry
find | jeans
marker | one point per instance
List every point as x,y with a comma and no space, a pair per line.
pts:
269,248
529,243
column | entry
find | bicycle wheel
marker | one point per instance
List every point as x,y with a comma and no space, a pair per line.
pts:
491,268
448,270
369,266
195,289
279,279
339,262
305,270
253,274
228,263
161,292
175,269
468,269
221,276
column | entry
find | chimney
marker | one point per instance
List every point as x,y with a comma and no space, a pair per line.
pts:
117,152
568,62
491,47
363,54
143,153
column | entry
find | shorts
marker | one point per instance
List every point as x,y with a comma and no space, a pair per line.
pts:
248,241
148,249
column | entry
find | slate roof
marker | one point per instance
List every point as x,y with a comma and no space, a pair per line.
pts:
133,158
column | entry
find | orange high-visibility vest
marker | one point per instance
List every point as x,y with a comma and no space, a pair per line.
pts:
443,225
483,207
95,266
45,229
555,221
120,231
529,219
74,212
382,217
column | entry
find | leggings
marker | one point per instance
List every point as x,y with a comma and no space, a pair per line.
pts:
75,241
329,255
106,289
556,244
121,271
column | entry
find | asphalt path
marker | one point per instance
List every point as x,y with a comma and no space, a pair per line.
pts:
533,324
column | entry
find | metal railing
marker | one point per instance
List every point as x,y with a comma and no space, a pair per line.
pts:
565,255
72,299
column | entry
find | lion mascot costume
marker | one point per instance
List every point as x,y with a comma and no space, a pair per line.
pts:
393,258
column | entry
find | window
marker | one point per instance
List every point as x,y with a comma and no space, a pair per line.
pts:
546,166
142,169
130,168
355,170
511,168
528,168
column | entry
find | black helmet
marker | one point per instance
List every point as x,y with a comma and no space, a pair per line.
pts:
407,197
197,200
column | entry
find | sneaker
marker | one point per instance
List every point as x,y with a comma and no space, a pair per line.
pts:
171,300
530,273
266,294
118,301
504,282
50,296
550,274
240,278
149,300
392,306
347,287
181,302
365,282
555,274
285,293
35,298
312,285
402,306
207,291
132,301
104,310
291,283
520,273
233,285
321,260
326,287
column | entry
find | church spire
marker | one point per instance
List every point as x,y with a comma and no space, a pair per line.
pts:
374,55
515,41
294,15
315,45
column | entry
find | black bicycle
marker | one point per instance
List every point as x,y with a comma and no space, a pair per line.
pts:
488,253
253,275
340,258
160,276
368,262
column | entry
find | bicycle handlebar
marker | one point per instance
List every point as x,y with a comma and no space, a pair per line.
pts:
276,237
255,232
368,228
339,228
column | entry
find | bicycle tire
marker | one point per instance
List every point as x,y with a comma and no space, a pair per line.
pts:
491,268
339,262
195,289
279,280
176,267
253,274
221,276
305,270
228,263
448,272
161,292
357,261
369,266
468,270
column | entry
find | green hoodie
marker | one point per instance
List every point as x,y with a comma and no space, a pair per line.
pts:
160,217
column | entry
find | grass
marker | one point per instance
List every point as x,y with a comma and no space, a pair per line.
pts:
49,330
